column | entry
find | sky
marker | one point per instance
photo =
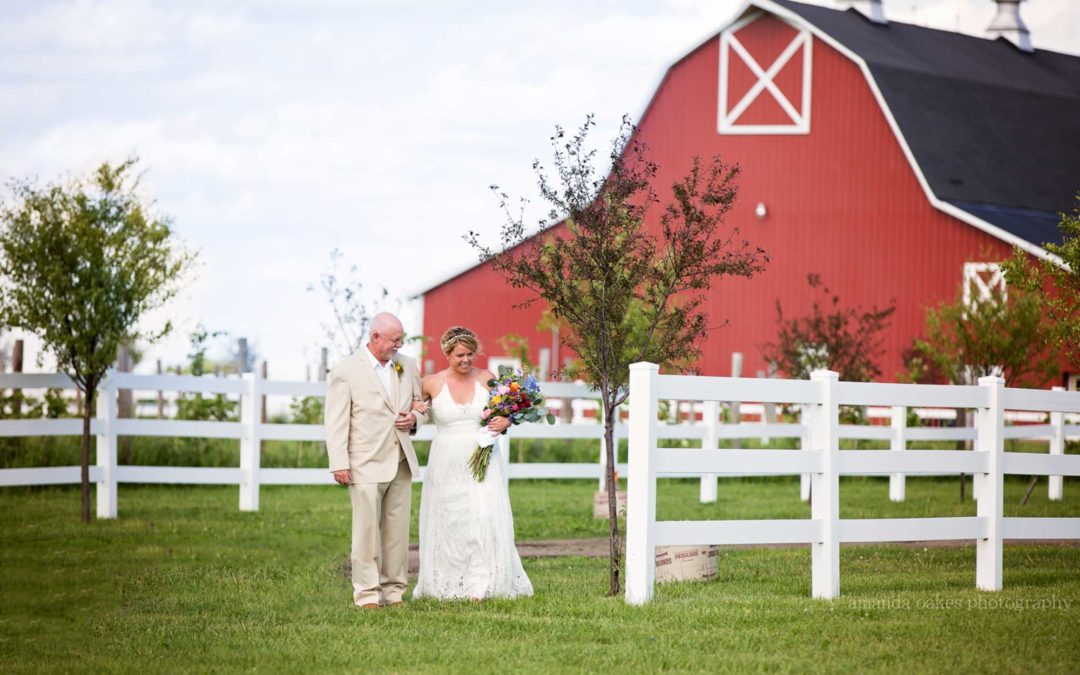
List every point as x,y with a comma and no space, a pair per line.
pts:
272,133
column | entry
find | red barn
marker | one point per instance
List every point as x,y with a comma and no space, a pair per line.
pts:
880,155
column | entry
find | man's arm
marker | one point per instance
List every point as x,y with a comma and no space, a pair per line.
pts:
338,411
418,395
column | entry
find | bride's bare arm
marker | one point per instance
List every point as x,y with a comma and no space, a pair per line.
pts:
429,386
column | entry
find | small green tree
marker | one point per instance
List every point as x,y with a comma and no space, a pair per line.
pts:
628,292
1003,334
1056,285
844,339
81,264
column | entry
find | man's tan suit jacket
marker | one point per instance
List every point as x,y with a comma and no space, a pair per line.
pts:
360,415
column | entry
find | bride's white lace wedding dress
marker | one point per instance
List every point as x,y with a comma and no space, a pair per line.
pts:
466,528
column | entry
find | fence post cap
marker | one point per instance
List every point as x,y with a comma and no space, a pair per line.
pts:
991,380
824,375
644,365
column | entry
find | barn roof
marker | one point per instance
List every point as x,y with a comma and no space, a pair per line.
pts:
993,130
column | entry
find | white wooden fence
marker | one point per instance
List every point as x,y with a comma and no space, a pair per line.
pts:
250,431
824,462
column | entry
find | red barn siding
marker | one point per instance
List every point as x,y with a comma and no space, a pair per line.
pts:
842,201
482,301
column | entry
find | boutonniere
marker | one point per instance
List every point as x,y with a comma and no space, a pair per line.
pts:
398,368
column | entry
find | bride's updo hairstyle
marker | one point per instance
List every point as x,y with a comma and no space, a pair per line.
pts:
459,335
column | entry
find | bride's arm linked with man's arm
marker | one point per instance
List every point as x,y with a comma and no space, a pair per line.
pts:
419,409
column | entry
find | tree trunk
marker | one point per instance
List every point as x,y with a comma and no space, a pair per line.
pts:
613,498
88,403
16,367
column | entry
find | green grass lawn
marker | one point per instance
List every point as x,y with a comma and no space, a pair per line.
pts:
183,581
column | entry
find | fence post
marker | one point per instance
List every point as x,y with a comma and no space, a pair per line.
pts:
504,457
899,444
641,484
264,371
1057,447
804,443
106,447
711,414
825,506
160,395
251,442
990,439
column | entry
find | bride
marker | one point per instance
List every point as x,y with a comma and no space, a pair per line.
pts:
466,529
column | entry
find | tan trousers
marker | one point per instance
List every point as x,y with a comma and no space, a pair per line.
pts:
380,538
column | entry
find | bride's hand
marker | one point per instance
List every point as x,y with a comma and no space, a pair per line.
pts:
499,425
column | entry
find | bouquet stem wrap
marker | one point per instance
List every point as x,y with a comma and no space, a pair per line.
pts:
481,457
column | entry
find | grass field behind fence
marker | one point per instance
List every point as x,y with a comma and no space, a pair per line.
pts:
183,581
210,452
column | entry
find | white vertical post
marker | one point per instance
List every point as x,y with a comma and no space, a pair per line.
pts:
711,420
641,484
544,368
804,444
1057,447
107,414
990,439
897,486
251,442
736,406
504,457
976,478
825,505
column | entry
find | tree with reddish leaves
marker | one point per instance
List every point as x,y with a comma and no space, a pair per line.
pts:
831,336
628,292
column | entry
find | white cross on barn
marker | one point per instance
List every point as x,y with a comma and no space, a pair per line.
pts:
733,50
982,282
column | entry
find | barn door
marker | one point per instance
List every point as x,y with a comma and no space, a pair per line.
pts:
764,77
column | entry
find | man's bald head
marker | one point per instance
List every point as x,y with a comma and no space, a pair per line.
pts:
384,322
387,334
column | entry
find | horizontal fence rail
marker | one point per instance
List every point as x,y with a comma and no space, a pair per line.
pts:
821,458
697,424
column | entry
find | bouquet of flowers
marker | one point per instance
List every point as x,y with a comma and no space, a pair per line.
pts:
516,396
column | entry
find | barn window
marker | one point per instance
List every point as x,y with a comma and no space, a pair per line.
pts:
764,77
982,282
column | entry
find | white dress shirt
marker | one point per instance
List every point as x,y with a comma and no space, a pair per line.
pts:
384,373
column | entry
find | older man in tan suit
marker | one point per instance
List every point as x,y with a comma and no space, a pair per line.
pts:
369,423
